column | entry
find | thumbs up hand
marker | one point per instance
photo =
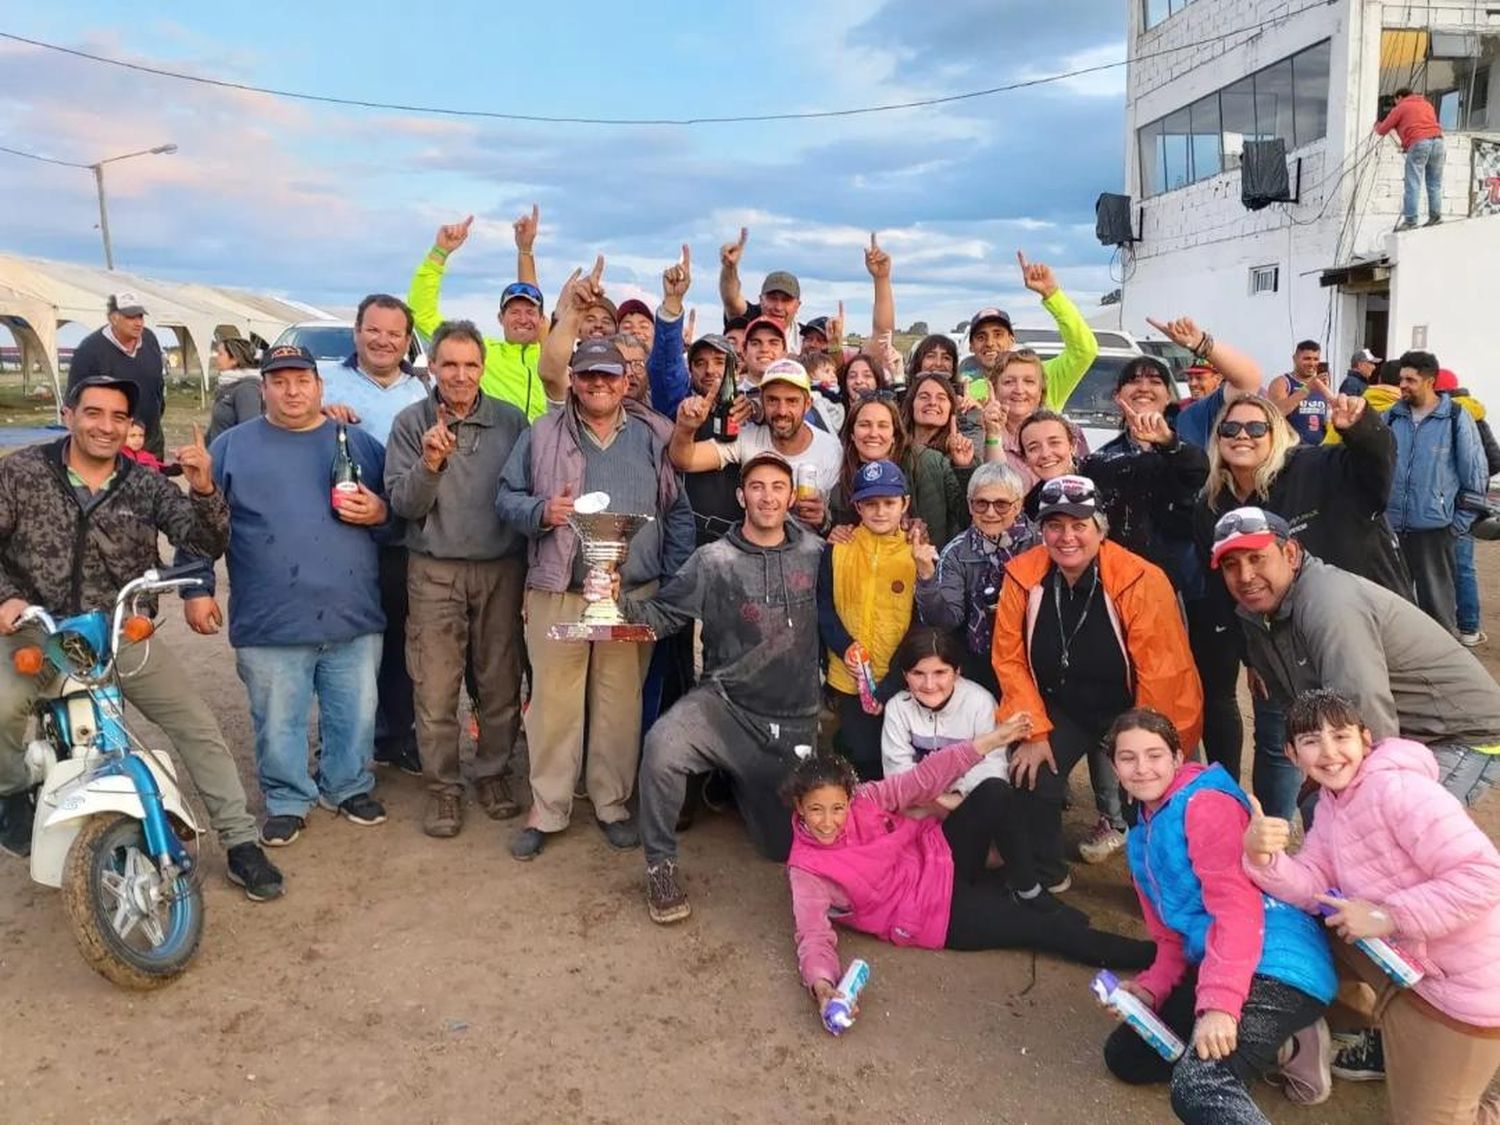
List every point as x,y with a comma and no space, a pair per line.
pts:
197,465
1266,836
558,508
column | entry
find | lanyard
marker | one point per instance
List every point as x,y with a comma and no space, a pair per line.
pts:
1067,638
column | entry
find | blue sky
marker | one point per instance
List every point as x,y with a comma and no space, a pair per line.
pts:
326,204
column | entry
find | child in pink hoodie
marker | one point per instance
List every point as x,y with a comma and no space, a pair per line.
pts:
1411,867
857,859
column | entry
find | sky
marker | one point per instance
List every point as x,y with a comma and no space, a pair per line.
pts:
325,204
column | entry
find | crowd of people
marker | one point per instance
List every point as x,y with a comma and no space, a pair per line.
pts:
895,601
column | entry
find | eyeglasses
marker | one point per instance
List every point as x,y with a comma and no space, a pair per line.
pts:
997,506
1257,429
1073,490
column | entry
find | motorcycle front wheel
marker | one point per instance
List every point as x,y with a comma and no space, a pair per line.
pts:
130,924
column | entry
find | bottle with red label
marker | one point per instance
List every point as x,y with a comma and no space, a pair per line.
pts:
344,476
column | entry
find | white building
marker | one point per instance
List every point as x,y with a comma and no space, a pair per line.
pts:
1206,75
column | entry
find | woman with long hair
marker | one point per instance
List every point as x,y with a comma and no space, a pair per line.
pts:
932,412
238,395
860,374
874,431
1334,496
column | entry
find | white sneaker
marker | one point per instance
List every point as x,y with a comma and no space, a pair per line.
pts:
1103,840
1474,639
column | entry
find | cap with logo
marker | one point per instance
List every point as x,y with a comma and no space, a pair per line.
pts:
284,356
126,302
780,281
1247,529
767,457
1067,496
990,316
787,371
131,392
521,291
876,479
597,355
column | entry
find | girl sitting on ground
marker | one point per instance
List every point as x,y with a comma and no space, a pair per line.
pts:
856,859
1237,973
1413,868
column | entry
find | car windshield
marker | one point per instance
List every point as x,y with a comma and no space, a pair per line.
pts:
325,341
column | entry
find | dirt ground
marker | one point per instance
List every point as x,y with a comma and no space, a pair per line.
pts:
405,979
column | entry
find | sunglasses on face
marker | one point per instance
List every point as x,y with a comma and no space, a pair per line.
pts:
1230,429
1071,489
996,506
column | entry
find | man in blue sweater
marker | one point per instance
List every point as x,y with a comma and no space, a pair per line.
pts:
304,602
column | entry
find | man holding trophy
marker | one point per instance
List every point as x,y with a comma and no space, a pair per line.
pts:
591,487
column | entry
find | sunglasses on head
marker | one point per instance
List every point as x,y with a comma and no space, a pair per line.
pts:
1256,429
881,395
521,289
1071,489
1241,523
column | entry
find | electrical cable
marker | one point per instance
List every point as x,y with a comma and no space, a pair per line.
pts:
444,111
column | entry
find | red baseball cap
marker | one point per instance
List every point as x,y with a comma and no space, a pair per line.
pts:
1446,381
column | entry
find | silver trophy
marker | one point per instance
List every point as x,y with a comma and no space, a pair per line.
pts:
604,538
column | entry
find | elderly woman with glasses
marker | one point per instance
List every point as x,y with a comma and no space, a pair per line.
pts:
962,592
1085,630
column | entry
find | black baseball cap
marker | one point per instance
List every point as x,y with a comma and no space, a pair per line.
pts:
288,356
985,316
131,392
597,355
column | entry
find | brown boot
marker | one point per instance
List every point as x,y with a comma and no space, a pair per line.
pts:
444,816
493,795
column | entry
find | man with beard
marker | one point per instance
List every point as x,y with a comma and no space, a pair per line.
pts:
785,397
754,592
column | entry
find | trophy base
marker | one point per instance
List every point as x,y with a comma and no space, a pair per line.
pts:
581,631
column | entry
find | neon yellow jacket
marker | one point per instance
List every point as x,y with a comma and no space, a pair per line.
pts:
1065,370
509,369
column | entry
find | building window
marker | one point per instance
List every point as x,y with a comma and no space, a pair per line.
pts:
1264,279
1288,99
1455,70
1158,10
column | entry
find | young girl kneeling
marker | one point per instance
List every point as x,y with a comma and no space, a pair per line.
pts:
1413,868
938,709
857,859
1237,973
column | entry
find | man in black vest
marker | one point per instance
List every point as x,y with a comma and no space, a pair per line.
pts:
126,349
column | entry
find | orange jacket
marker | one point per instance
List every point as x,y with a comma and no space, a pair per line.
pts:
1148,624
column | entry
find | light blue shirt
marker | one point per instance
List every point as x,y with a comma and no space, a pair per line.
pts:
376,406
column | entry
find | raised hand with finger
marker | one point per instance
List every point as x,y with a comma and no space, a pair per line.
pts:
922,550
731,252
692,412
438,443
450,236
675,282
525,229
877,261
1345,410
1038,276
1148,427
197,465
1181,331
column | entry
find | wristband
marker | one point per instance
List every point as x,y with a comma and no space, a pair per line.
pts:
525,254
440,252
991,441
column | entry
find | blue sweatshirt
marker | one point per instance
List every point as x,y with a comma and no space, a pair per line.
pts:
298,575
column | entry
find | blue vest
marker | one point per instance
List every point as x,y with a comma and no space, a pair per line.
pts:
1295,948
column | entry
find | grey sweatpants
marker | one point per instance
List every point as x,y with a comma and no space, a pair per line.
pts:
704,731
159,690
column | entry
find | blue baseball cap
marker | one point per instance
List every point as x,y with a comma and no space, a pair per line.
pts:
878,478
523,291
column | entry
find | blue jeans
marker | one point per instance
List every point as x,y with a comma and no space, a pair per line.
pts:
1466,586
1467,773
1273,778
281,681
1424,163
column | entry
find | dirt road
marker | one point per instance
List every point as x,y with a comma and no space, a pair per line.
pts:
405,979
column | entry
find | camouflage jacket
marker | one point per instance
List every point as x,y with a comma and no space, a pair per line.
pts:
56,553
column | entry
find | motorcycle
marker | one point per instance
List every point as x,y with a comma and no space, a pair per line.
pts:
111,827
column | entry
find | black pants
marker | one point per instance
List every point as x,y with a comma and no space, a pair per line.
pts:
396,716
1071,743
1432,558
993,813
1215,1091
858,738
1216,652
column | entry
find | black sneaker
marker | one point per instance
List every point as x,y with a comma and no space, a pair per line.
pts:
16,816
400,754
622,835
249,868
527,844
665,898
1362,1059
361,809
279,831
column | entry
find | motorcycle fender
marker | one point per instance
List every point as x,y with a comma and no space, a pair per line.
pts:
70,797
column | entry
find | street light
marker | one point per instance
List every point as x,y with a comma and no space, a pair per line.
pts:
98,170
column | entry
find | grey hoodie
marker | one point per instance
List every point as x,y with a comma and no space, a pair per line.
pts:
759,611
1407,675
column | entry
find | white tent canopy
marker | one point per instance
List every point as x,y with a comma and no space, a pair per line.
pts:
38,296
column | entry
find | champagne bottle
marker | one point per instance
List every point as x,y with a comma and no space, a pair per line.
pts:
724,426
344,476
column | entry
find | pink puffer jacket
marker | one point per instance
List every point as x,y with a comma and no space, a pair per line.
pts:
1396,838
